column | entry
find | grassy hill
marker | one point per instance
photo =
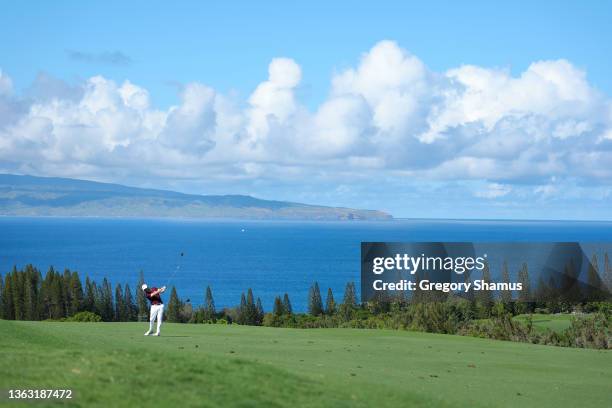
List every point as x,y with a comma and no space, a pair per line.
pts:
113,364
49,196
554,322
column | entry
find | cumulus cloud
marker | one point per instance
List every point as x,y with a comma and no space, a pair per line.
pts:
389,116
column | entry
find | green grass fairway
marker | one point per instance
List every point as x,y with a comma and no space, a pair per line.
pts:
554,322
113,364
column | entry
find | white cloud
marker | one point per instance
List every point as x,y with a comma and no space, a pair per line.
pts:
388,116
494,190
6,85
274,99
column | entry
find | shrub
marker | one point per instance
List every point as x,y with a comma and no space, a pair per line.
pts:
85,317
590,332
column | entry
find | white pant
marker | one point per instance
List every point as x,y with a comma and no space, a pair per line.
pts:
157,312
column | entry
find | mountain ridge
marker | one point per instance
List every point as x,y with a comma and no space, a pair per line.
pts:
25,195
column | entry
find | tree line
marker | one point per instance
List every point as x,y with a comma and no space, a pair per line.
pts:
28,295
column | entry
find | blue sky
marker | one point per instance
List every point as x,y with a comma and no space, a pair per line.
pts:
193,54
229,46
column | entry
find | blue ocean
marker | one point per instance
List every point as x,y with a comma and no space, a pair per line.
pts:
271,257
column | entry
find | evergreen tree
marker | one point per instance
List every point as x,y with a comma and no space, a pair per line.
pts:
287,305
209,305
484,298
8,306
56,296
315,303
349,303
467,279
506,295
567,288
141,300
76,294
40,307
106,301
120,312
594,290
350,297
259,312
330,304
30,294
18,294
607,278
66,292
251,308
1,297
524,304
278,309
130,308
242,310
89,302
174,307
45,296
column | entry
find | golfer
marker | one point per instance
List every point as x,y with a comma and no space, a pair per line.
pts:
157,307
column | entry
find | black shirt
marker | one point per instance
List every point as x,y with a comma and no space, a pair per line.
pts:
155,300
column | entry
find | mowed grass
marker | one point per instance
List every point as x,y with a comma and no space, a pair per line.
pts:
554,322
113,364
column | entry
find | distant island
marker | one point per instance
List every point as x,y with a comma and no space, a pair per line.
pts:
50,196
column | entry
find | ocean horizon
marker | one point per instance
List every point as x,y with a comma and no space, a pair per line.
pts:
271,257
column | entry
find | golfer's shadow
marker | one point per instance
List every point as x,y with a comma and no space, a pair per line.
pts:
175,336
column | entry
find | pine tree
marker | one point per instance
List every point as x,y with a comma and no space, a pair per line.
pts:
242,310
251,308
350,297
45,297
278,309
56,296
107,311
506,295
525,293
76,294
484,298
30,293
209,305
141,300
594,290
607,278
119,306
287,305
98,299
349,303
18,294
89,302
174,307
1,297
259,312
9,310
467,279
524,304
567,288
130,308
40,307
66,292
330,304
315,303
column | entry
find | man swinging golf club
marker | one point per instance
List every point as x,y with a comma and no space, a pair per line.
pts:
157,307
